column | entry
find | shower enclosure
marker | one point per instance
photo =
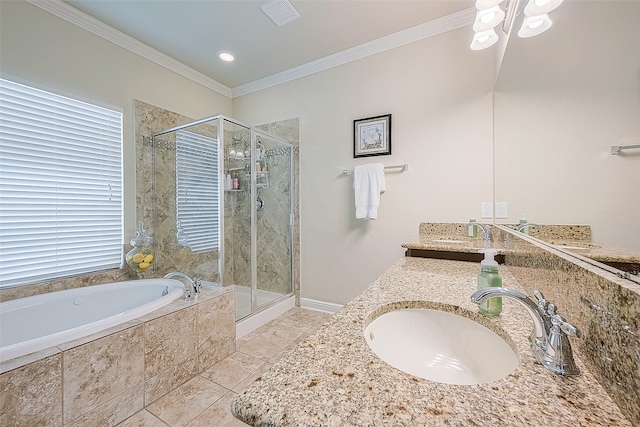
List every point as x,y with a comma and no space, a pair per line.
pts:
223,209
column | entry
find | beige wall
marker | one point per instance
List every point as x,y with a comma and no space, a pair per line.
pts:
439,92
440,95
46,52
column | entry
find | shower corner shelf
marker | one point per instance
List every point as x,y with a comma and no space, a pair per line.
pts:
262,179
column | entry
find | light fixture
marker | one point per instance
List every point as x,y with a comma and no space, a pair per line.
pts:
484,39
489,15
534,25
541,7
226,56
488,18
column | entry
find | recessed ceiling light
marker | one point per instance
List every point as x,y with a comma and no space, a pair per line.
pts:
226,56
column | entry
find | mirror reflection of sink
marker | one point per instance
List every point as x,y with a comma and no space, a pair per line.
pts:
449,241
574,248
440,346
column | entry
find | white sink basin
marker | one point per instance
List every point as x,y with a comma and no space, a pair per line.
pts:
440,346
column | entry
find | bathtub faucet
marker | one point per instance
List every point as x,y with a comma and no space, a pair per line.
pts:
195,283
549,340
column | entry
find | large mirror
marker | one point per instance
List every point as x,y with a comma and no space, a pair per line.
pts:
562,99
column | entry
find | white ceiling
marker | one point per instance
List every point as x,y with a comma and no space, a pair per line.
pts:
192,32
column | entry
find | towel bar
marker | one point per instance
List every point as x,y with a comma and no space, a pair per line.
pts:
403,168
615,149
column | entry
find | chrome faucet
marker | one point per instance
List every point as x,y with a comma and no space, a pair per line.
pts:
488,238
521,227
195,283
549,339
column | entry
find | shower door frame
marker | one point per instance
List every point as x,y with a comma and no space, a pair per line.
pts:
255,132
255,307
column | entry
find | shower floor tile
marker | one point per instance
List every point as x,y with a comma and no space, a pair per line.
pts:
206,400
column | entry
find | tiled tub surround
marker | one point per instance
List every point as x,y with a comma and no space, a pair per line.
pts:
105,378
605,307
334,379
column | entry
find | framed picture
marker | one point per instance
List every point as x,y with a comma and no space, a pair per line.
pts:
372,136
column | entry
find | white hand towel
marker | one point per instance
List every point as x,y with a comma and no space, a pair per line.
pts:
368,184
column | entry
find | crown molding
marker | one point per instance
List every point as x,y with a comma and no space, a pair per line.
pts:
99,28
432,28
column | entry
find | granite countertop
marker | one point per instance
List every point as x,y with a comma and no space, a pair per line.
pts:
597,252
453,237
450,244
334,379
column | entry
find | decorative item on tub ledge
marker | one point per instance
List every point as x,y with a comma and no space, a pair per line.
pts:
372,136
141,256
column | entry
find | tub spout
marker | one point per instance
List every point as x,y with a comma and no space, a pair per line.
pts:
549,339
195,284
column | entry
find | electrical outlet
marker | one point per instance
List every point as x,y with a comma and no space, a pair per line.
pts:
501,210
486,210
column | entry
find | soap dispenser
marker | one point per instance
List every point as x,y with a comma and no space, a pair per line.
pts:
473,230
489,278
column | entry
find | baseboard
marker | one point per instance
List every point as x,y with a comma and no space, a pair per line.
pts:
243,327
325,307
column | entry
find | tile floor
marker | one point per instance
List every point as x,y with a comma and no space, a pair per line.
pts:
206,399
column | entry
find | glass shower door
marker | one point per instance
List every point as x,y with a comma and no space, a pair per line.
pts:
237,220
273,169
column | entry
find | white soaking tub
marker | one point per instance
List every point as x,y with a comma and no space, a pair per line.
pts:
42,321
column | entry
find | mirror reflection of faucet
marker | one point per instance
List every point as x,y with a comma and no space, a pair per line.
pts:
488,238
549,339
523,227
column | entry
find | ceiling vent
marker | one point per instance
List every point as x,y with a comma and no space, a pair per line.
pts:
280,12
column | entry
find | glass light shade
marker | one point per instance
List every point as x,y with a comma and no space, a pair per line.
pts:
487,4
488,19
484,39
540,7
534,25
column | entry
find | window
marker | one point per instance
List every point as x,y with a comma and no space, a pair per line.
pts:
60,186
197,190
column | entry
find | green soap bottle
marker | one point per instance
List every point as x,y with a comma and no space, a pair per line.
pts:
489,278
472,230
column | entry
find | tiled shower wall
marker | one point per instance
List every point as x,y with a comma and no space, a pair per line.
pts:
273,228
604,307
171,256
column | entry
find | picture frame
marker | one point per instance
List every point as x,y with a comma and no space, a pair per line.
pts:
372,136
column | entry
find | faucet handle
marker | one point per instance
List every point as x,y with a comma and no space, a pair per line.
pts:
551,309
566,327
542,303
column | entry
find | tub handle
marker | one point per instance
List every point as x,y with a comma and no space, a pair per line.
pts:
187,295
166,291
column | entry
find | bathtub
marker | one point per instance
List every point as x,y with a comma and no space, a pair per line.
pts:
42,321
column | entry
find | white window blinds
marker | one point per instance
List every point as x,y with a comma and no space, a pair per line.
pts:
197,190
60,186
